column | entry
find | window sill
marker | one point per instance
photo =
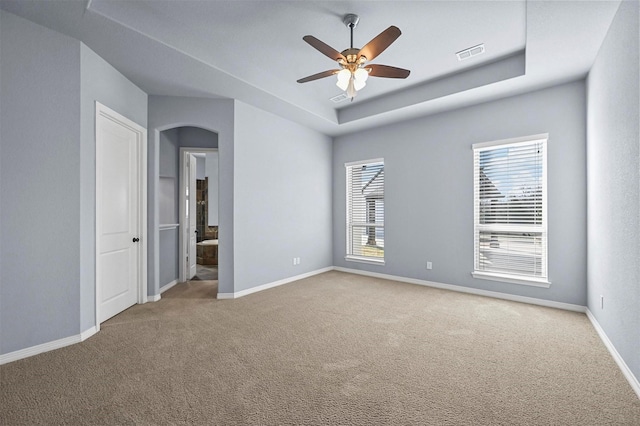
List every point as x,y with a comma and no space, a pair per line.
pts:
534,282
369,260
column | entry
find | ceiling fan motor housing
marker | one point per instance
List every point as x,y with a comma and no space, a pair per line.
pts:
352,58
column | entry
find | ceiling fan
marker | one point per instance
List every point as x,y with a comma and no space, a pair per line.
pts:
354,70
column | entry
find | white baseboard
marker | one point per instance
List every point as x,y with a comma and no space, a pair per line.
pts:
164,288
46,347
167,287
225,296
469,290
273,284
626,371
88,333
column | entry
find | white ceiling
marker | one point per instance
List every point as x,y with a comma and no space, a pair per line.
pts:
253,50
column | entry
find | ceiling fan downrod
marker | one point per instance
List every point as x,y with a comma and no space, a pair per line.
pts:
351,26
351,21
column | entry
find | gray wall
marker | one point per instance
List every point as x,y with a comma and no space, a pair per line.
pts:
212,166
168,246
39,184
429,189
613,165
169,155
168,168
50,83
282,198
100,82
216,115
201,171
168,238
195,137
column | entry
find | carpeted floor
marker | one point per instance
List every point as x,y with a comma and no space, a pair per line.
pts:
332,349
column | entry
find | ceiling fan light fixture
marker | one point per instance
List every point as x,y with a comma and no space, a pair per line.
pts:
350,81
361,74
358,84
360,78
344,77
351,89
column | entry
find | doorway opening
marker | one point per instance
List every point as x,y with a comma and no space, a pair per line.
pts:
207,235
189,198
199,214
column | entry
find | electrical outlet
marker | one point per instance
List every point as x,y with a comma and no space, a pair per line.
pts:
429,265
601,302
294,261
298,260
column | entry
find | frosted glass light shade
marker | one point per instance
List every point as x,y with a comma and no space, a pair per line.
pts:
360,77
358,84
361,74
344,76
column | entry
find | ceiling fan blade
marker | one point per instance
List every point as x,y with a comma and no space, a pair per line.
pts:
380,43
387,71
319,75
323,48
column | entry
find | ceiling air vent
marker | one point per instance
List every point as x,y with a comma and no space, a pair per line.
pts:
471,51
339,98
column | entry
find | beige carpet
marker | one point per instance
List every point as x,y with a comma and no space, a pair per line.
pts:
332,349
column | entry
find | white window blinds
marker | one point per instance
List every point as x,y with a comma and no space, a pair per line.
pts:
510,215
365,210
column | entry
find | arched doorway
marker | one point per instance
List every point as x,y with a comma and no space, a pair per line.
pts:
188,217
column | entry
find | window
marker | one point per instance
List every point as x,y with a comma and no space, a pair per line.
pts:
510,210
365,211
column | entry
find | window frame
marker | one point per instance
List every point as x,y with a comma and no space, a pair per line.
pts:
536,281
350,224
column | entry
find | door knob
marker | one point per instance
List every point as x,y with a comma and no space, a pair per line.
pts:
135,240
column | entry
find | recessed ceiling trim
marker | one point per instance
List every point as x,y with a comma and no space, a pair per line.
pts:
482,75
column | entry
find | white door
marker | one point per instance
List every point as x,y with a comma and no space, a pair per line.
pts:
118,189
192,216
